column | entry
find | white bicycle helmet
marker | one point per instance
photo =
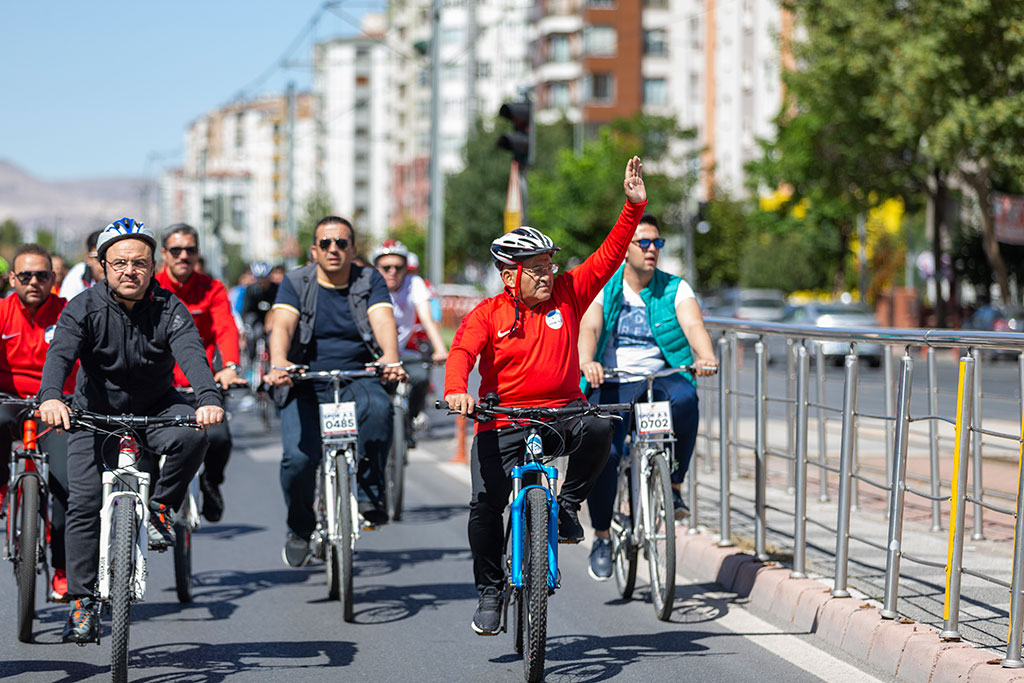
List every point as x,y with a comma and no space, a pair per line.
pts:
389,247
519,245
125,228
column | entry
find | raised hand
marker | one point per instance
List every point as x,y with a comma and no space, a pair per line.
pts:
636,193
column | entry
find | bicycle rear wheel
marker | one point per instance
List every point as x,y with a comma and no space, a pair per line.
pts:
396,466
623,548
344,548
120,587
183,554
661,538
535,585
26,547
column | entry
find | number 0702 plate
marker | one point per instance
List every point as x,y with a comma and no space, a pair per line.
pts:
654,418
338,419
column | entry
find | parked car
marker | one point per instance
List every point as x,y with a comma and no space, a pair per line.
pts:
755,305
835,315
994,319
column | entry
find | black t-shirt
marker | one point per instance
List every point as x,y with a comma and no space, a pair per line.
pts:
336,343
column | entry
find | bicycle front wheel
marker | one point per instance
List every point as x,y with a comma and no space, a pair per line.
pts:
661,538
120,587
396,466
183,554
534,595
26,547
623,548
345,540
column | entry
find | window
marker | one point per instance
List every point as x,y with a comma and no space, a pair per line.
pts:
656,4
559,48
695,38
655,43
558,96
655,91
601,3
599,40
239,130
601,87
483,69
452,36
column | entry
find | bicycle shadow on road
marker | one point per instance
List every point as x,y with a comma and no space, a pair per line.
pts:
388,604
218,591
372,563
69,671
429,514
225,532
588,658
216,662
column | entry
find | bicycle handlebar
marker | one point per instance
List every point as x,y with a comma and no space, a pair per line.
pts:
488,410
31,402
90,420
302,372
646,374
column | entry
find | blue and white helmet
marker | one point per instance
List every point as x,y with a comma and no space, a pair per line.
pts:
519,245
259,269
126,228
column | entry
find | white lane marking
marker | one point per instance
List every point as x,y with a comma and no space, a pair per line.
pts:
793,649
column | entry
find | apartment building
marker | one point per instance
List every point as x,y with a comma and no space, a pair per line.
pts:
235,178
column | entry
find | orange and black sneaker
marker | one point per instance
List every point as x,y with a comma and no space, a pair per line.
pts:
59,586
83,624
160,529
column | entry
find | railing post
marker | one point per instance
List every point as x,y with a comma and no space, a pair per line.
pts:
800,467
1013,644
708,421
954,560
734,423
724,370
845,478
760,453
933,440
819,365
790,412
691,490
897,488
977,489
890,410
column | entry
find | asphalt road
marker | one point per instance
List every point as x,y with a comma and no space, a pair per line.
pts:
254,619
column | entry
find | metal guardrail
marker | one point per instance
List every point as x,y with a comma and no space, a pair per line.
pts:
802,343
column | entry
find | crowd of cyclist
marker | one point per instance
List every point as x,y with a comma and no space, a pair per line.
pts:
125,332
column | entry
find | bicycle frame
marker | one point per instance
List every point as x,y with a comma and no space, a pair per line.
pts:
29,461
129,485
534,450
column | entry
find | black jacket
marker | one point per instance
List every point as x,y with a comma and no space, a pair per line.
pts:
127,356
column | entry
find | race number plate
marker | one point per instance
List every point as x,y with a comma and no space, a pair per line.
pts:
338,419
654,418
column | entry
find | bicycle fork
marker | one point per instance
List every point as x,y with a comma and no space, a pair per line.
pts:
533,471
332,470
114,493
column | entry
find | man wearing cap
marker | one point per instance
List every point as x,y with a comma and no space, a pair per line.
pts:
128,333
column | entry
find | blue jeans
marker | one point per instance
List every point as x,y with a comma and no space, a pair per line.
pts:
300,438
685,418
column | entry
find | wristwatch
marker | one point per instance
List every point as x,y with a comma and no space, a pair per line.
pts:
233,366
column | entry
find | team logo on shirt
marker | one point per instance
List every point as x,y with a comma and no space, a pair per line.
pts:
554,319
48,333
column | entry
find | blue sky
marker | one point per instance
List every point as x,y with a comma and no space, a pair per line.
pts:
92,89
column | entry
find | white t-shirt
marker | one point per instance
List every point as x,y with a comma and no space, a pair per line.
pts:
631,344
73,283
411,294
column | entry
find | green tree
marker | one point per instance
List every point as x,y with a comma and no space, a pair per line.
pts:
318,205
10,234
715,252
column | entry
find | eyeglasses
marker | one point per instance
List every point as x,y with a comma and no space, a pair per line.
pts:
120,265
25,276
176,251
645,243
397,268
94,254
340,242
537,272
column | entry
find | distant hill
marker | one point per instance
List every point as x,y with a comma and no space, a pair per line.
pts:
73,207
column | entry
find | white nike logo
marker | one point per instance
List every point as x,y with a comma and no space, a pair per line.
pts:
10,336
505,333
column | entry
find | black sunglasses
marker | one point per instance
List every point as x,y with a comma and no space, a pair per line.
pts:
176,251
25,276
396,268
325,243
646,243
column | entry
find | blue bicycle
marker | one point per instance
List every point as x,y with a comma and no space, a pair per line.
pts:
531,534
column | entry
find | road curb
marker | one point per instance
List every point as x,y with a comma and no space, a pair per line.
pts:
906,650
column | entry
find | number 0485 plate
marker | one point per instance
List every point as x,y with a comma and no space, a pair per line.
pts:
338,419
654,418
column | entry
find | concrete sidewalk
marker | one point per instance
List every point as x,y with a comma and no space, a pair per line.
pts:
909,648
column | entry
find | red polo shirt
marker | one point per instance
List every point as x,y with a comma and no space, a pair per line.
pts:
24,341
207,300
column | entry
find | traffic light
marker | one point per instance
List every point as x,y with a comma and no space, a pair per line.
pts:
518,140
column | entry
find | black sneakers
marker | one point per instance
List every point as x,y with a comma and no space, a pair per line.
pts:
296,551
213,502
679,507
600,568
487,618
160,529
569,529
83,625
371,514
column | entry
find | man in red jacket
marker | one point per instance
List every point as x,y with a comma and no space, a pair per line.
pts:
207,300
526,339
27,322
